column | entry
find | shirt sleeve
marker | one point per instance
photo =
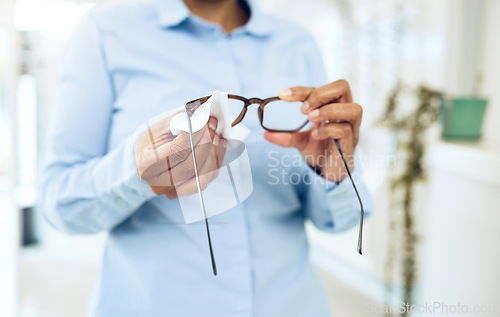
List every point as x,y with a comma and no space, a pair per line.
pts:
330,206
86,189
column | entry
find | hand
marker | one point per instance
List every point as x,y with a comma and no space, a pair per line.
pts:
165,161
335,116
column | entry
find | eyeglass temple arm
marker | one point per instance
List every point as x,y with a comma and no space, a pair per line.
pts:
360,236
200,195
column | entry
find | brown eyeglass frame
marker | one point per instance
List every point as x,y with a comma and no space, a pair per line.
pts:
192,105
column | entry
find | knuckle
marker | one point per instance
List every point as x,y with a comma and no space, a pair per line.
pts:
314,96
318,97
343,83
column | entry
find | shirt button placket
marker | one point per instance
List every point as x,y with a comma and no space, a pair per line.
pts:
231,83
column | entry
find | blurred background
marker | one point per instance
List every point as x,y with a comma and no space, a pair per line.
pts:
432,161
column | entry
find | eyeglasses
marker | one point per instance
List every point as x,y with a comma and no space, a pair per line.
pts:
275,115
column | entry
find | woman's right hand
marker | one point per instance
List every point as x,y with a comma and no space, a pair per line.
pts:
165,161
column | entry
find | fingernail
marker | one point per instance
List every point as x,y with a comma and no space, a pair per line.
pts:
216,140
212,125
314,114
285,92
305,107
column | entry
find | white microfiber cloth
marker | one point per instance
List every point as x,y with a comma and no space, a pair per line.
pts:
216,106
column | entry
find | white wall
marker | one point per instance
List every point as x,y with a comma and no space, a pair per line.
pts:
9,222
491,67
474,47
461,258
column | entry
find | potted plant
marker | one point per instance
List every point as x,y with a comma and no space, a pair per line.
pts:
408,114
462,117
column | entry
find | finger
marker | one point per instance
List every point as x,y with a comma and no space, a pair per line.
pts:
154,136
212,126
220,151
151,148
174,172
147,157
159,190
338,92
297,139
160,172
335,112
339,131
211,162
208,156
180,148
190,186
148,165
333,131
160,133
207,173
155,168
171,194
162,179
186,169
213,159
297,93
152,160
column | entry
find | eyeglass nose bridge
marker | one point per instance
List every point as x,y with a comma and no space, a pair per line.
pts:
255,100
243,112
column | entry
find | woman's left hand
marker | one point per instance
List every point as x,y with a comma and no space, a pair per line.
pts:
335,116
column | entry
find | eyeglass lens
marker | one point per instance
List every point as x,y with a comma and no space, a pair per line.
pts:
277,115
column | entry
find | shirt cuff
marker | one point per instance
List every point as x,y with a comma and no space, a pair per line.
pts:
327,185
338,201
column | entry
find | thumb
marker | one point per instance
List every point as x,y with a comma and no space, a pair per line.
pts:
297,93
285,139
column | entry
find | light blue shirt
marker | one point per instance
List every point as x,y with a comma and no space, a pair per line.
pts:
123,65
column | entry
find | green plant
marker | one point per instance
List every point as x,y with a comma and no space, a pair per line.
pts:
409,127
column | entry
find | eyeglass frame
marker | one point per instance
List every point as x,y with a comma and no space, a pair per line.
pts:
246,103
